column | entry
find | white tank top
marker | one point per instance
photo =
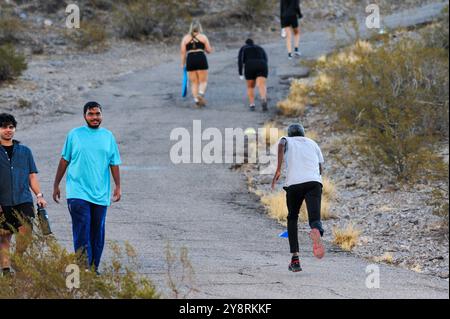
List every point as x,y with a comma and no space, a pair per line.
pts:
302,157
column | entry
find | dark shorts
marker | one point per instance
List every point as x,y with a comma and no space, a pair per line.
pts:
15,216
196,61
289,21
255,69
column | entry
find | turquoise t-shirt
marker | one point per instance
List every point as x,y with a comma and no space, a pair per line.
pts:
90,153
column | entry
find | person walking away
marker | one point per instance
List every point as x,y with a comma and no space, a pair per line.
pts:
304,166
253,62
194,47
290,13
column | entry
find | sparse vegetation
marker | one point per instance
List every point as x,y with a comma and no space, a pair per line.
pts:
296,101
440,202
392,96
346,238
136,19
180,273
277,209
252,10
41,273
12,64
387,258
10,28
90,35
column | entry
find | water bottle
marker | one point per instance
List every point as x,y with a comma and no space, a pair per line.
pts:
44,222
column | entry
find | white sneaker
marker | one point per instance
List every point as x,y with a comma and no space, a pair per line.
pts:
297,53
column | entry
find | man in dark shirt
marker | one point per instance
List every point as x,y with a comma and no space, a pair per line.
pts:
254,59
18,174
290,13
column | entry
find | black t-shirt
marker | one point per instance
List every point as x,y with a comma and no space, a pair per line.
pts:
9,150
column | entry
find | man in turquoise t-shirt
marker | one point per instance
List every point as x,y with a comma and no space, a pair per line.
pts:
88,155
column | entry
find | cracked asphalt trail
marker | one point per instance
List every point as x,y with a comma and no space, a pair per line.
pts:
232,244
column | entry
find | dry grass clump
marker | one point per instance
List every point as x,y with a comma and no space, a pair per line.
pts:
277,209
45,271
296,101
346,238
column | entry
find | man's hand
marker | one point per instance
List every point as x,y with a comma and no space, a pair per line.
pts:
241,77
276,178
41,202
56,194
117,194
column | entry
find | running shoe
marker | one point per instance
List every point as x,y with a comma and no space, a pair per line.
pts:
290,56
201,100
252,108
264,105
295,266
297,53
7,272
318,248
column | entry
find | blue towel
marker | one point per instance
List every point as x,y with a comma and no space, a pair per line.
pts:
184,87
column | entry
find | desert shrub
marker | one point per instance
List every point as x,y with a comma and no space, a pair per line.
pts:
395,98
41,274
439,198
10,28
89,35
253,10
180,273
12,64
101,4
437,35
346,238
136,19
295,103
51,6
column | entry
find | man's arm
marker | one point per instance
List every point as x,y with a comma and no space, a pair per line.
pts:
115,171
62,167
36,188
280,162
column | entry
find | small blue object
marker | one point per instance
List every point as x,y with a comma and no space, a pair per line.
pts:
283,234
185,83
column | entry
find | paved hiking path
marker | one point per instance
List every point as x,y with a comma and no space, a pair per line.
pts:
232,244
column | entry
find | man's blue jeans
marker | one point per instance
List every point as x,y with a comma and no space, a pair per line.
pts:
88,227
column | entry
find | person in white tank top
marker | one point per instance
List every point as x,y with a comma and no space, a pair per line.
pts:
304,165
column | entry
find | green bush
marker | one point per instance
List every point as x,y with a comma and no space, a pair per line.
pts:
12,64
394,98
41,274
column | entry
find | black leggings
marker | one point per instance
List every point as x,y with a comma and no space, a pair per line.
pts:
295,194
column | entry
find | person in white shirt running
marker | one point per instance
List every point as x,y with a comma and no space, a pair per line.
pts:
304,165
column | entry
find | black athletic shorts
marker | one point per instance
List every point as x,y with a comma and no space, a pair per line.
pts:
255,69
13,217
196,61
289,21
